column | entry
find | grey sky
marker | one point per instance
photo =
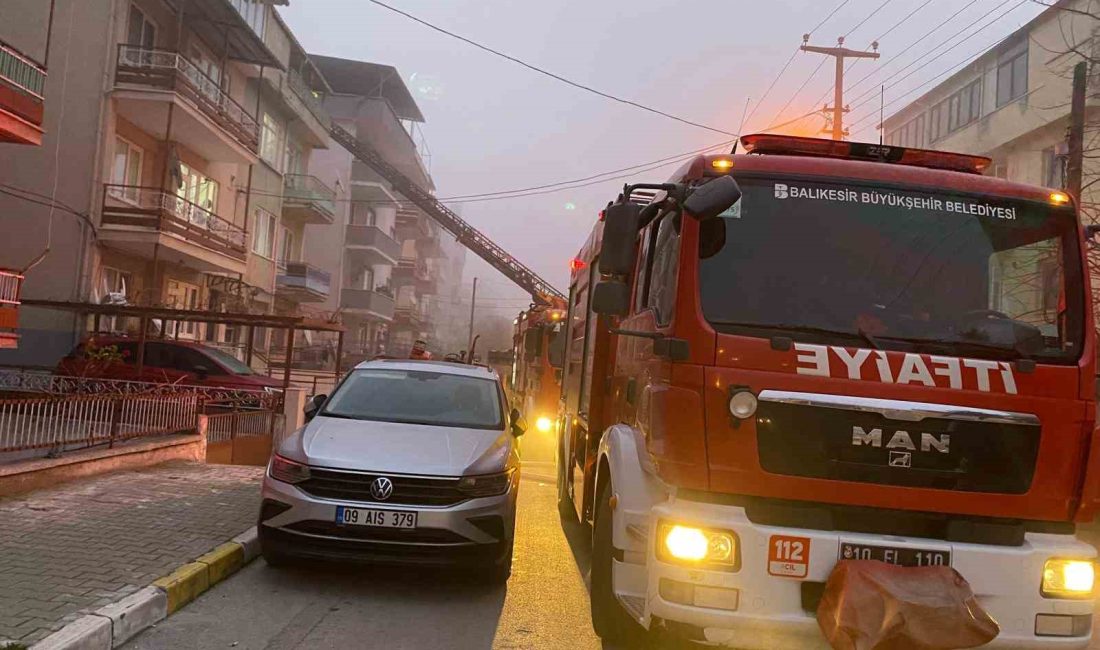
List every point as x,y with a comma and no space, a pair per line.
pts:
493,125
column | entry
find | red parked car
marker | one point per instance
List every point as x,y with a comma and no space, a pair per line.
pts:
182,362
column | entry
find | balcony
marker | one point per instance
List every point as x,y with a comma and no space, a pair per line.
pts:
412,271
300,89
308,199
412,224
366,302
410,317
138,219
148,81
370,245
22,85
302,282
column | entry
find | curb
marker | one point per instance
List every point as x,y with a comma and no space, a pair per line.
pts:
115,624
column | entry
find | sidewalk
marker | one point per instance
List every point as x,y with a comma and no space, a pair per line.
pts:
82,545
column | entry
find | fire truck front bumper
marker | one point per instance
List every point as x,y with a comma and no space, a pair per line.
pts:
768,596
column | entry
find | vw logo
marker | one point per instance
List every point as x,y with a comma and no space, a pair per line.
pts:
381,488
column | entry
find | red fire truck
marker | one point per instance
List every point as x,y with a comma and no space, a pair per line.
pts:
534,382
820,351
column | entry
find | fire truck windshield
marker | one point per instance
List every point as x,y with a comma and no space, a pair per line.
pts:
896,268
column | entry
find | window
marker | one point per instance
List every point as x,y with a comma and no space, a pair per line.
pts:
181,295
646,242
126,170
364,279
263,233
271,142
965,105
286,248
1054,168
417,397
200,197
140,31
114,285
664,271
294,159
1012,74
935,122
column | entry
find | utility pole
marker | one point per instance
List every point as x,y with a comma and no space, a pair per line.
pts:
840,53
470,343
1075,162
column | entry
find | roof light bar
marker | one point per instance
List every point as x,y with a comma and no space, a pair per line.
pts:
763,143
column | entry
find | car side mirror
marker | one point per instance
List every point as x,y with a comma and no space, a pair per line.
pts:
619,239
611,298
518,425
314,406
1092,235
713,198
202,371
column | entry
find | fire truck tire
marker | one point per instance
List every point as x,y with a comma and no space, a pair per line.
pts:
609,620
565,502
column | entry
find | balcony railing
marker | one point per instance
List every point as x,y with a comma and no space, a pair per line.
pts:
11,282
367,300
309,189
299,275
313,103
169,70
162,211
356,236
21,72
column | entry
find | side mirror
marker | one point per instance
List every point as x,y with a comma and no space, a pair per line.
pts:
619,240
313,406
611,298
556,350
517,425
713,198
202,372
672,349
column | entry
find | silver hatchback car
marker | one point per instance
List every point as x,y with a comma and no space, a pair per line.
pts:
408,462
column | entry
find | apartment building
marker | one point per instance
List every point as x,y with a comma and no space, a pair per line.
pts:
24,48
373,255
1012,102
170,154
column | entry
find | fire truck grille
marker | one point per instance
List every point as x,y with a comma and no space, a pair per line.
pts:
935,452
407,490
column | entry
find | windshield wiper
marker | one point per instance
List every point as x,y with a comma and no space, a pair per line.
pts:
861,334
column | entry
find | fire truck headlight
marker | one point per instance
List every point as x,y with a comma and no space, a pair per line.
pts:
544,424
687,544
1068,578
742,404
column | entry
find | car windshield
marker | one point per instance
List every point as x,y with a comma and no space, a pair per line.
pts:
231,362
418,397
901,269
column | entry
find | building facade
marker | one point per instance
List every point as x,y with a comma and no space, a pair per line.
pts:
385,252
1012,102
194,170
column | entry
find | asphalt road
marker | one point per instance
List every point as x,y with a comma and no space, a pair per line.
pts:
544,605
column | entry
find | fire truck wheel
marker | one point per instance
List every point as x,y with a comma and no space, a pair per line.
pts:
565,502
609,619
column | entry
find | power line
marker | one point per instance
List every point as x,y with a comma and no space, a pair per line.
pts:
565,185
826,18
868,17
966,62
879,39
29,197
547,73
921,39
796,93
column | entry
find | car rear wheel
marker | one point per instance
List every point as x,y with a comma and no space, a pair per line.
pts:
610,621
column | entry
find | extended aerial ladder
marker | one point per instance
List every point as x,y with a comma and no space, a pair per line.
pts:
542,293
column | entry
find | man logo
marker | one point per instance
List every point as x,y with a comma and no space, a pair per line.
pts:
902,440
781,191
901,459
381,488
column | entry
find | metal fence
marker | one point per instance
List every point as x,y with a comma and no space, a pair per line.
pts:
66,422
223,427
